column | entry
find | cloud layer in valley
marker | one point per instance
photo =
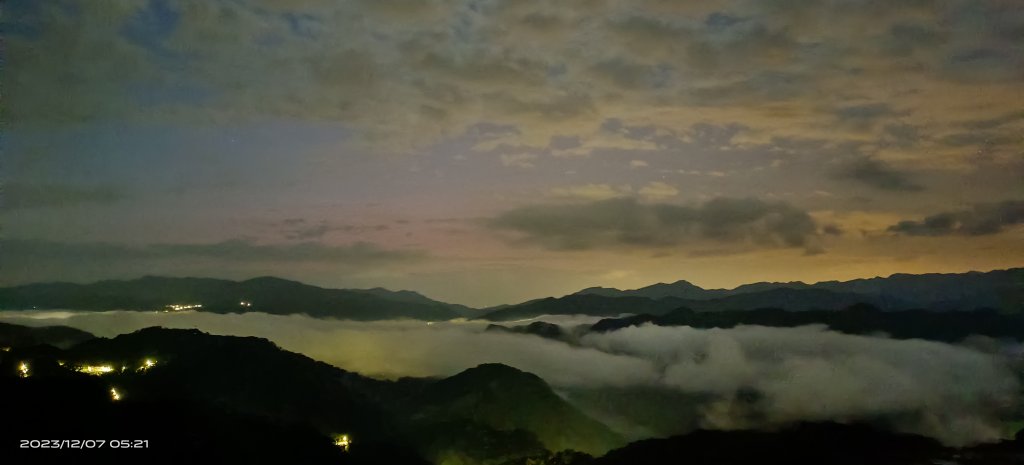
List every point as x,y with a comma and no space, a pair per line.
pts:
950,392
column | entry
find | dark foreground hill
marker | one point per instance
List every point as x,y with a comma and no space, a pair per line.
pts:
808,444
197,395
509,399
268,295
799,444
58,336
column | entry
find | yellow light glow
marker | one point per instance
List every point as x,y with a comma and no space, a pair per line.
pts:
95,369
343,441
114,395
147,364
23,370
182,307
5,349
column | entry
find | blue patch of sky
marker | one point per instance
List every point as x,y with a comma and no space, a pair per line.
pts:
179,92
160,156
719,20
24,18
302,24
152,26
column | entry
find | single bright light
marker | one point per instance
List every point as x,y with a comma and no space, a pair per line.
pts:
23,370
343,441
114,395
147,364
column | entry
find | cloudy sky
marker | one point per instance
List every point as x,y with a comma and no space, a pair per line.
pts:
486,151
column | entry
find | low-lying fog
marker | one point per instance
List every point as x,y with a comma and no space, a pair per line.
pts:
952,392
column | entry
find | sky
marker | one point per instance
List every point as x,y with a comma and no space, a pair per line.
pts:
486,152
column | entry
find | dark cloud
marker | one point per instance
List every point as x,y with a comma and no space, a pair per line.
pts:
660,136
719,20
905,38
832,230
863,116
876,173
713,135
902,135
491,68
307,232
35,260
490,130
980,219
560,142
643,32
985,64
971,138
235,250
633,76
991,123
555,108
16,196
625,222
298,229
739,46
762,87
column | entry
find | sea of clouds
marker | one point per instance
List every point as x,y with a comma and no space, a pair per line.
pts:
951,392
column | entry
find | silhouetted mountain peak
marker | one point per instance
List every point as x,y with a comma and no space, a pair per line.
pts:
273,281
496,371
495,377
680,284
506,398
681,288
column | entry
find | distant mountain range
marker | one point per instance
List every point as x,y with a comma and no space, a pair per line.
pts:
267,294
1001,290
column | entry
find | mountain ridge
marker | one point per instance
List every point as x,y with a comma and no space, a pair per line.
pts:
996,289
261,294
